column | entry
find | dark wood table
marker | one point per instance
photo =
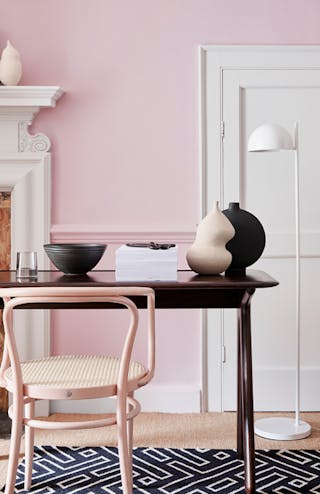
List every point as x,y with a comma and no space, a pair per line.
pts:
193,292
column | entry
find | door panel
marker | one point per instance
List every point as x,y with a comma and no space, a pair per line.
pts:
264,185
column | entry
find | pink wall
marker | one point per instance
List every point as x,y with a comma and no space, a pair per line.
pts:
125,134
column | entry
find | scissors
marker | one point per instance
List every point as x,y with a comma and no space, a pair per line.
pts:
152,245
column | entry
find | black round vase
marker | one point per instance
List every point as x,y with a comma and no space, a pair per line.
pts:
249,241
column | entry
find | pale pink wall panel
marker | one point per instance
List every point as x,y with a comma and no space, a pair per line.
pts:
177,337
125,135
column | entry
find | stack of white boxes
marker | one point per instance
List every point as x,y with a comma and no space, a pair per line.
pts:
144,263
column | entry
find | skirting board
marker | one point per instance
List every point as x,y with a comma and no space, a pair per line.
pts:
152,399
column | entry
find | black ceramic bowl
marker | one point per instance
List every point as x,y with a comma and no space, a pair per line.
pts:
75,258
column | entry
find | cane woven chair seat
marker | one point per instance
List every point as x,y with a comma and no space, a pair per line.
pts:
73,372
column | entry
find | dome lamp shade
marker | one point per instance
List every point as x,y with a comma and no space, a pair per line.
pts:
270,137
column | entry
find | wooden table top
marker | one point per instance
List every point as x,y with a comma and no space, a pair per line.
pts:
190,291
186,279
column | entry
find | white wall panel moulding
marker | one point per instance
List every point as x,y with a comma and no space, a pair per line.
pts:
283,245
284,377
44,96
278,244
103,233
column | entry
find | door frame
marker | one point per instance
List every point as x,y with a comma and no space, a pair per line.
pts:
213,61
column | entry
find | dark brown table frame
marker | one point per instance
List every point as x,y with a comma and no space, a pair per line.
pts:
193,292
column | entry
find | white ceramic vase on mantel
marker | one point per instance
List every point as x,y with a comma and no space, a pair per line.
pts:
208,254
10,66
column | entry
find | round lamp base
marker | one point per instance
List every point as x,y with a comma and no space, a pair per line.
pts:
281,428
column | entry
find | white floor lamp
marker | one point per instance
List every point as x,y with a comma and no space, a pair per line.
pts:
270,137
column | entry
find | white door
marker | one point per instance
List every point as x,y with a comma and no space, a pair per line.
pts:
279,89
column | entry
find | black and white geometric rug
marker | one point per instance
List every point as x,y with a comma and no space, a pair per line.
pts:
170,471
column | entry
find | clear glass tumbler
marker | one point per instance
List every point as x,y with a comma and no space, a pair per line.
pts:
27,265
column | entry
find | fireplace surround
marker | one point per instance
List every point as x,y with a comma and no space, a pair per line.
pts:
25,162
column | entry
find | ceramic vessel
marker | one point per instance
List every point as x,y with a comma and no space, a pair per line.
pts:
208,253
10,66
75,259
249,241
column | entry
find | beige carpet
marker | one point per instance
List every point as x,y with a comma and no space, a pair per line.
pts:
188,430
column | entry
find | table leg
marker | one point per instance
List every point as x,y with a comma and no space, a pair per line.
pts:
239,391
246,391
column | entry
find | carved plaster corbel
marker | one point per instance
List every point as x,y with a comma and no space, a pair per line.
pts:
37,143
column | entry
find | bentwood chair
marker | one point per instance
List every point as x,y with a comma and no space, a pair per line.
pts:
74,377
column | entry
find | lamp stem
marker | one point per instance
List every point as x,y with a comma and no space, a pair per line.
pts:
285,428
298,271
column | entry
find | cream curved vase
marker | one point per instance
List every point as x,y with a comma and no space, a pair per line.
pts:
10,66
208,253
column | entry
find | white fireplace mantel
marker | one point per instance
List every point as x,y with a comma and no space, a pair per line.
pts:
18,107
41,96
25,166
25,171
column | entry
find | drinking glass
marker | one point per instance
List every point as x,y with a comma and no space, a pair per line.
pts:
27,265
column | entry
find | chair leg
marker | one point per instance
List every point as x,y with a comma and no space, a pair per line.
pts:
130,435
15,442
123,446
29,446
